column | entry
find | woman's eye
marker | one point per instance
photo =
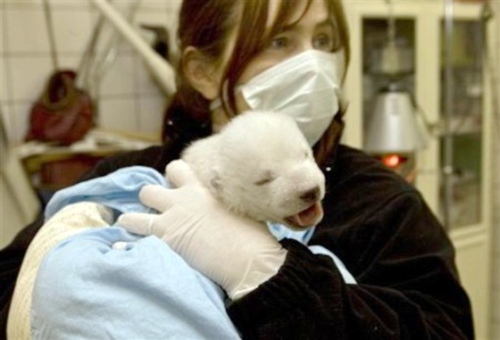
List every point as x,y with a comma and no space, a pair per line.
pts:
323,42
280,42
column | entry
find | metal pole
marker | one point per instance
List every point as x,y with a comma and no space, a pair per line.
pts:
50,30
162,70
448,115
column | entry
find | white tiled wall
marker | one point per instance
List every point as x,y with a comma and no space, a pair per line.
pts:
128,98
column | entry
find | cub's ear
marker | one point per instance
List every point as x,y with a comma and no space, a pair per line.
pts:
215,182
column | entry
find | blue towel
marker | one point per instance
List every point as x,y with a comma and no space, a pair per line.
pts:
86,289
143,287
118,190
108,283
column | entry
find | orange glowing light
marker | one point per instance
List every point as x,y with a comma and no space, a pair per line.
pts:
392,161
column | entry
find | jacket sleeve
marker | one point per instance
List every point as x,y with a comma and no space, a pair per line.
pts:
407,287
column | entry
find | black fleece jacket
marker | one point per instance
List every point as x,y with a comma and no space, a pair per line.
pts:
376,223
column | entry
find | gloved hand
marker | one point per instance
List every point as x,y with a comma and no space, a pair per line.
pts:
237,253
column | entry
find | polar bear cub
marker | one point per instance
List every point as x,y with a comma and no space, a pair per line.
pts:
260,165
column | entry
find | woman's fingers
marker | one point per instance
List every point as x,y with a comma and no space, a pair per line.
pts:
156,197
180,173
137,223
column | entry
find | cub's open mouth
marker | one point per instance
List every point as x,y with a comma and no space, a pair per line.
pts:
307,217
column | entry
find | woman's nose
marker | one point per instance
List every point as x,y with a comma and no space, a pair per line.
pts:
304,46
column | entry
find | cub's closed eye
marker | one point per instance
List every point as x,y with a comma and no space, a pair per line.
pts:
267,178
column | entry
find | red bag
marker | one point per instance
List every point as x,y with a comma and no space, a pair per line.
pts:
63,114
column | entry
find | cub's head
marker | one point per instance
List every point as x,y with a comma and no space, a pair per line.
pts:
261,165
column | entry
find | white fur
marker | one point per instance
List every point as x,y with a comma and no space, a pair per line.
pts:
259,165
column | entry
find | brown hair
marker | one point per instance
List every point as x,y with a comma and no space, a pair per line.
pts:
207,25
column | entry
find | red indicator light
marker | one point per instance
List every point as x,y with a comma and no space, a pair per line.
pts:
392,161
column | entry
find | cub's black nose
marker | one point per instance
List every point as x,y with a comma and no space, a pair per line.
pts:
310,195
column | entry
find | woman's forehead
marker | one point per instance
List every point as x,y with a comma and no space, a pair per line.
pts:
274,9
316,10
304,13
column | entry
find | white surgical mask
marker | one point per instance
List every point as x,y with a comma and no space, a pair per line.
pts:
304,87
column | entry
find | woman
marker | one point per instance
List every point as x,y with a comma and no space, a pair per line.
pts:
379,226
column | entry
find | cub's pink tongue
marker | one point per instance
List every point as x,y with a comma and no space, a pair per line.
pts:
310,216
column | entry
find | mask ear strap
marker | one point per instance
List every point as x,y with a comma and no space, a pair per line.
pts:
338,119
336,128
217,102
343,102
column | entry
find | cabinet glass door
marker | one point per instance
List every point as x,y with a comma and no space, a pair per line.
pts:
461,111
388,68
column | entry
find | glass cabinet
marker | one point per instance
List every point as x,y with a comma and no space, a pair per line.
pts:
417,52
461,110
410,46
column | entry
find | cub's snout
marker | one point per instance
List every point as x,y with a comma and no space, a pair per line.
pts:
302,190
311,195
